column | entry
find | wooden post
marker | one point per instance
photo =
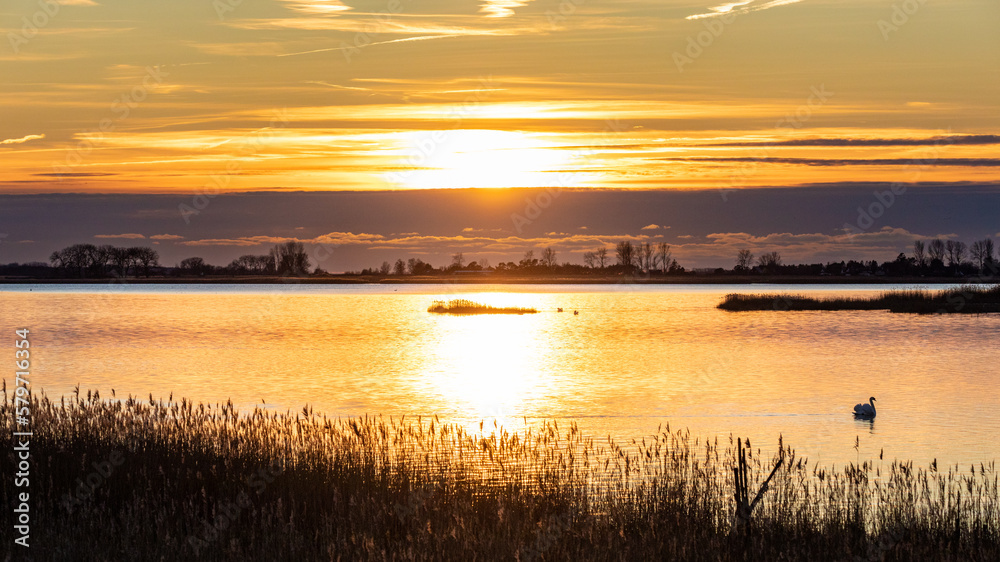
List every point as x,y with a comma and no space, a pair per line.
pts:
744,507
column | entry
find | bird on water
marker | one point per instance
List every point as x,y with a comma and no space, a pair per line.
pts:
865,411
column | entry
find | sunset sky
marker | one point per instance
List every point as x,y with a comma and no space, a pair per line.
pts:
798,110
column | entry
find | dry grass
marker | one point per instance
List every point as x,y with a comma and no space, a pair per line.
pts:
304,487
966,299
463,306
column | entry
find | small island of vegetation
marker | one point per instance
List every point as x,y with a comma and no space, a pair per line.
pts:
967,299
463,306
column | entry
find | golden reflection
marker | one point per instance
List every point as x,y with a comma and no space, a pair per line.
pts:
489,365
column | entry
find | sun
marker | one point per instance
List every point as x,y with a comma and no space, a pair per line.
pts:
464,158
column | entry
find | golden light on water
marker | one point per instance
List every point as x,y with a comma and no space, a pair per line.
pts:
488,366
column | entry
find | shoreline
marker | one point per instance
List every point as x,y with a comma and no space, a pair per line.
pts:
511,280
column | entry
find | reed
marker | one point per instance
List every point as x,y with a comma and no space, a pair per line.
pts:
463,306
205,482
968,299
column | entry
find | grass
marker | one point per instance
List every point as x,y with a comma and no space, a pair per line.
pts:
210,483
463,306
968,299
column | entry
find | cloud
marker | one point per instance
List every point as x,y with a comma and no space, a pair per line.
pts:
930,161
651,227
926,141
317,7
741,7
127,236
22,140
500,8
77,3
166,237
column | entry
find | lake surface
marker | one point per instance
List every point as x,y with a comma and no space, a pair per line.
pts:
634,358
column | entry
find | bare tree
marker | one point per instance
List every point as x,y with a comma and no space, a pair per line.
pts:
935,251
549,257
646,256
625,253
197,266
769,261
961,253
919,253
744,259
145,259
290,258
988,242
529,259
601,255
588,259
458,260
664,256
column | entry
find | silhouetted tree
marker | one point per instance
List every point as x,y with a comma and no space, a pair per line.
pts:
385,268
458,260
663,256
400,267
549,257
625,252
290,258
769,261
935,250
601,256
588,259
919,253
145,259
744,260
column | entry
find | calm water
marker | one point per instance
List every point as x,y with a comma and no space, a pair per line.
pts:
634,358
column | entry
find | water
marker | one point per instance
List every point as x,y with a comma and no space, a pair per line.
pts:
634,358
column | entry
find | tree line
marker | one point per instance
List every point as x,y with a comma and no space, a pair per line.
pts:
936,257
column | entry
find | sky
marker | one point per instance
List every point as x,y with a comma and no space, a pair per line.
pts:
787,108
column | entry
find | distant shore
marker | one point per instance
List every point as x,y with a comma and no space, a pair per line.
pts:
685,279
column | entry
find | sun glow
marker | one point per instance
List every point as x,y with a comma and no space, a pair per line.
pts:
483,158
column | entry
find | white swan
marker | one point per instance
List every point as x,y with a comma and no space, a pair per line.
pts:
866,411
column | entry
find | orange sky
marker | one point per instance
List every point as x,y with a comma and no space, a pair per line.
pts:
152,97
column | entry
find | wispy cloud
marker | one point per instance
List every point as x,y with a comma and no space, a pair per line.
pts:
739,8
317,7
501,8
166,237
22,140
967,162
126,236
925,141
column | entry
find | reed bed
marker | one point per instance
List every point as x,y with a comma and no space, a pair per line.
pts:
179,481
968,299
463,306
